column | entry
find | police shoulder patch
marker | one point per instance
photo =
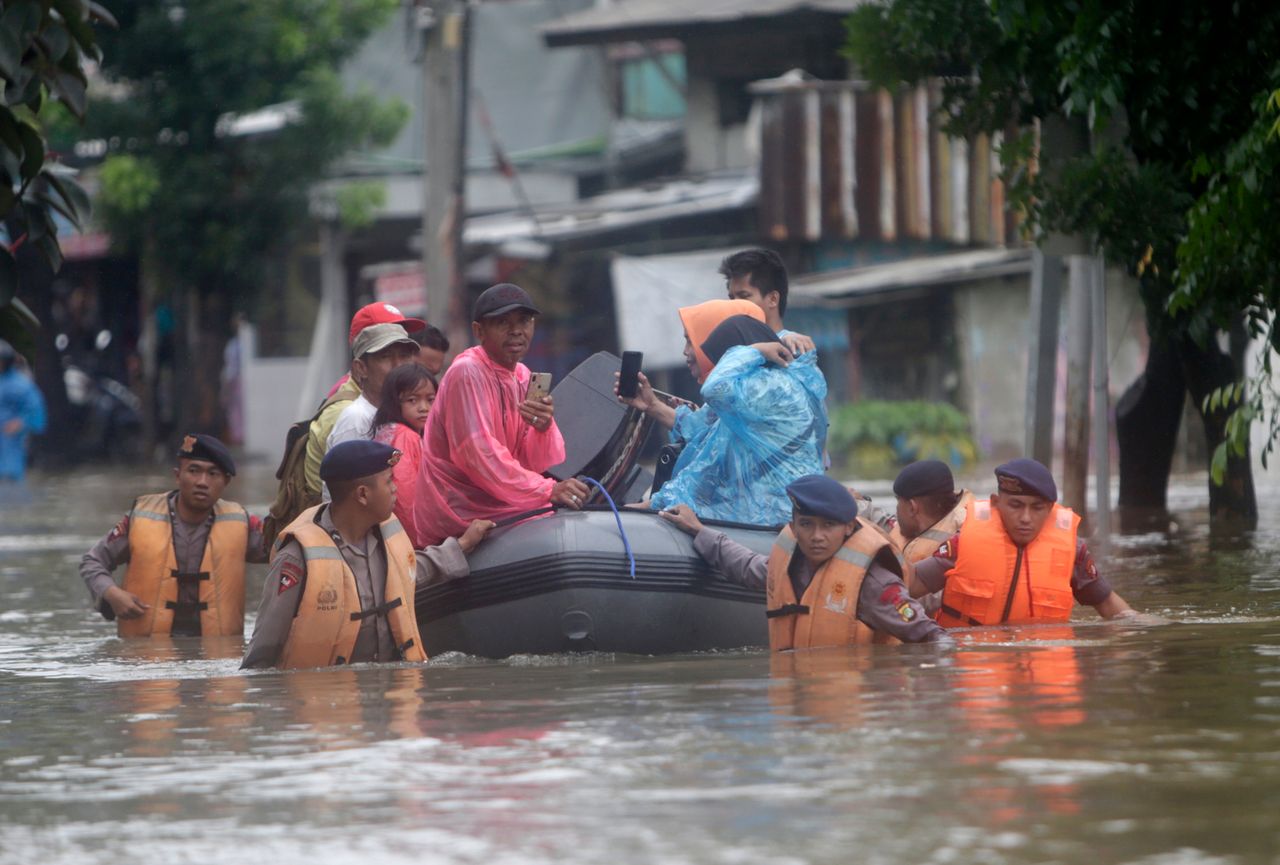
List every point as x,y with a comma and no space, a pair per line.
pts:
290,576
906,611
121,529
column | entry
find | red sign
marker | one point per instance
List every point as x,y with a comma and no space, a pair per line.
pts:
406,289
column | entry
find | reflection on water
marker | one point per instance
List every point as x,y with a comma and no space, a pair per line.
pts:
1085,743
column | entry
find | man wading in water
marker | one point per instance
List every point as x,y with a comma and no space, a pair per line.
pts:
342,579
1017,559
832,578
185,550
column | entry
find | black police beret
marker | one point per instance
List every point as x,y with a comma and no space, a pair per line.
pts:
206,447
820,496
1026,477
924,478
360,458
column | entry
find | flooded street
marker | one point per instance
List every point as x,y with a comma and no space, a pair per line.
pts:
1092,743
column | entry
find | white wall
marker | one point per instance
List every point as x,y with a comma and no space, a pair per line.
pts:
270,391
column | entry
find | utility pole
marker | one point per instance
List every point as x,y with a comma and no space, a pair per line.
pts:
1075,472
1042,374
446,28
1101,404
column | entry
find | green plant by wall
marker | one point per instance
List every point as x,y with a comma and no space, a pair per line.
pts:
875,438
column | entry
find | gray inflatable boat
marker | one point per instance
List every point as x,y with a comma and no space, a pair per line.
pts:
562,581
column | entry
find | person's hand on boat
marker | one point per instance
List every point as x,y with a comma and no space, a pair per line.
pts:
774,352
798,343
569,492
474,534
538,412
683,518
125,604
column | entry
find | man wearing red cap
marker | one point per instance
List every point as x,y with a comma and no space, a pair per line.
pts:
487,442
347,390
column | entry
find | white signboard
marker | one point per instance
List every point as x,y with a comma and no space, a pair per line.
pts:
647,291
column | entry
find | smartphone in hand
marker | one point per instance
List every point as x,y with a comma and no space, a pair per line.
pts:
629,378
539,385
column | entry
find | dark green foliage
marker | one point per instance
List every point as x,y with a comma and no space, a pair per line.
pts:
1179,181
218,205
43,49
874,438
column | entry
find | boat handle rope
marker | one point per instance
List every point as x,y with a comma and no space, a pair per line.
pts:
626,542
537,512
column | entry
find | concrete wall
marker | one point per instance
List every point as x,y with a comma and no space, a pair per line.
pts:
993,332
708,145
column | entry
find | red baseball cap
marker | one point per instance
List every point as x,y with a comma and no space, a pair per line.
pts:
382,313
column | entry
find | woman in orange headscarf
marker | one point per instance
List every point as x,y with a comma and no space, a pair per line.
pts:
757,431
699,320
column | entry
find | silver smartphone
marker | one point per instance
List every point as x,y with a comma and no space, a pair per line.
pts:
539,385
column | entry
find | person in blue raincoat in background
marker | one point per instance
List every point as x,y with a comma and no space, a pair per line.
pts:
21,414
757,432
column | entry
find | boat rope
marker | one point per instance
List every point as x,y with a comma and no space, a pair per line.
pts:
626,543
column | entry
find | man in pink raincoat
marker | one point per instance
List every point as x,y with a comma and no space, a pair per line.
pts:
486,443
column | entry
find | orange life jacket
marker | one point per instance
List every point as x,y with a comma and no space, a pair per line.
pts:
827,615
329,614
997,582
925,544
153,573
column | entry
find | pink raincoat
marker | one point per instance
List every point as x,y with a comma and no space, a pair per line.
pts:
406,440
480,458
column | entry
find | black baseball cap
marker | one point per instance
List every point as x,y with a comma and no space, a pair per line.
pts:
501,299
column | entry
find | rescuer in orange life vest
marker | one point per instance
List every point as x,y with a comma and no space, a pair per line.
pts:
929,512
845,586
343,575
1017,559
185,552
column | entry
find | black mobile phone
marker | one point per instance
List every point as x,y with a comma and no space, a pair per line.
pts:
629,378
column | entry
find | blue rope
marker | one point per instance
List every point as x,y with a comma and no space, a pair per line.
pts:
626,544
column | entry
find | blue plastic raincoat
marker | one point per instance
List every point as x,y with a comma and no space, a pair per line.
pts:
758,432
19,400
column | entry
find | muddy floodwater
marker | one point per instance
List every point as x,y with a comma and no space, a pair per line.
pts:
1090,743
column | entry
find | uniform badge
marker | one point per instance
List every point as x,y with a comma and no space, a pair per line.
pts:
840,606
906,611
290,576
327,599
892,594
188,443
944,551
121,529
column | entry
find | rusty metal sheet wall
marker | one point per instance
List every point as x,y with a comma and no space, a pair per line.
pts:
843,160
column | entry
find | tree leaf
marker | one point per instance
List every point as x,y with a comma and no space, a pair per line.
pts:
70,90
32,151
98,12
77,201
52,252
8,276
1218,465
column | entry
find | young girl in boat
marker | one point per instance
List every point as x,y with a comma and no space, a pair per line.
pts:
407,395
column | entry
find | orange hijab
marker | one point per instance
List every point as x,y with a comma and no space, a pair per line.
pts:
703,318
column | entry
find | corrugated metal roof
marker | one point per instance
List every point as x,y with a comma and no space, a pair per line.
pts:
628,20
835,287
619,209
